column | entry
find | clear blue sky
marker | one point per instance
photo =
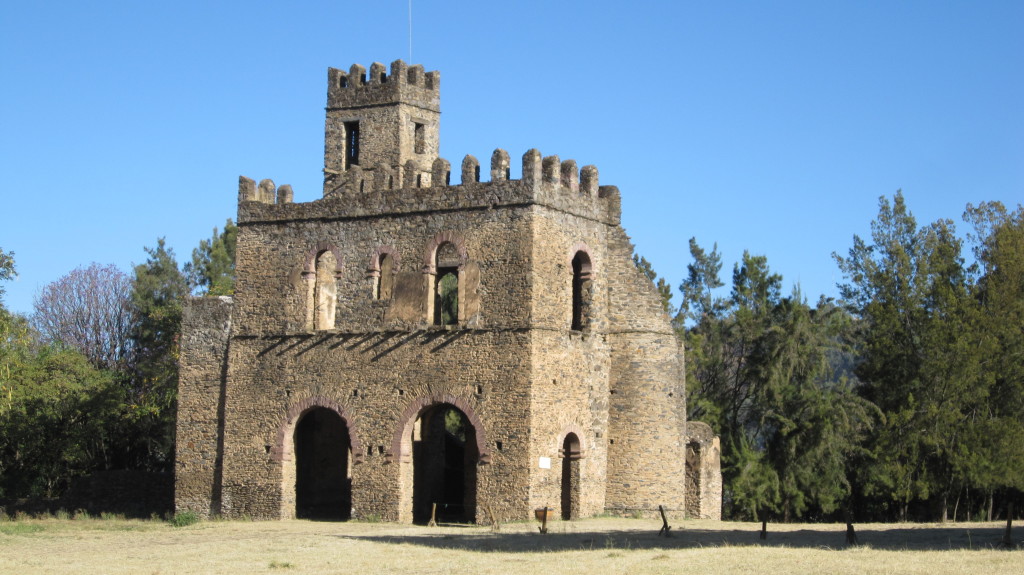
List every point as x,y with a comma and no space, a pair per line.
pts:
767,126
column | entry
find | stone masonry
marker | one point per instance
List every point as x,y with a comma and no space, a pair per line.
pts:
406,347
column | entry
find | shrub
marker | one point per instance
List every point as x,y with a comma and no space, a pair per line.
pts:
184,519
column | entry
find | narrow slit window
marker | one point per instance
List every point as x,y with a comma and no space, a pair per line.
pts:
351,144
420,135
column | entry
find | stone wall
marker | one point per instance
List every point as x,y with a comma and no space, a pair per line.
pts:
703,472
205,332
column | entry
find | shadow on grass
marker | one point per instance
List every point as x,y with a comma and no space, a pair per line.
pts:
923,538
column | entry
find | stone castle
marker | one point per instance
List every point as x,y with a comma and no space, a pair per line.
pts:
406,348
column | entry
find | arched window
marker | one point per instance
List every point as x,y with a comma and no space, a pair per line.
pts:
383,266
325,293
321,273
446,285
570,477
582,290
386,280
445,264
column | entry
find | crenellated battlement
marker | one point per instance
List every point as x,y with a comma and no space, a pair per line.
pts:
401,73
266,192
404,83
384,189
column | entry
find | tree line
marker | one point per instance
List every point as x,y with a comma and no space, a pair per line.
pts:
901,400
88,381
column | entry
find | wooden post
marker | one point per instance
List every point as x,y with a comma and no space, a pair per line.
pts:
851,535
433,516
1008,536
764,529
544,521
665,528
495,526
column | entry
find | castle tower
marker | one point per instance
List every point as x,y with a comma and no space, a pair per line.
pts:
380,120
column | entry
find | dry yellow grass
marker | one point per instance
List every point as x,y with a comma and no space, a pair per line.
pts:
593,546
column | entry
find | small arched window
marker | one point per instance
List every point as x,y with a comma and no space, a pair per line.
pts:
582,291
386,279
446,285
325,291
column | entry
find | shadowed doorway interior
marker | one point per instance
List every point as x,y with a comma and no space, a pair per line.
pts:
445,457
323,481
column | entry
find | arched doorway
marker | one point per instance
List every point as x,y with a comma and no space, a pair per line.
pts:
323,477
444,461
570,477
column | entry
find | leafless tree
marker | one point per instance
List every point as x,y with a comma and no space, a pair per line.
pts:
89,310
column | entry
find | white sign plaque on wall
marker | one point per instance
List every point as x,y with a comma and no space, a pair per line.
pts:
545,463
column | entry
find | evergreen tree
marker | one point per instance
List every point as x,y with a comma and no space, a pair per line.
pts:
993,458
158,291
920,364
212,269
6,271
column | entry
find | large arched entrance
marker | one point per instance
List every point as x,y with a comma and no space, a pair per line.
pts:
444,465
570,477
323,477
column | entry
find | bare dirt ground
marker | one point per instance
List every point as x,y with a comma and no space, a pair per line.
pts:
593,546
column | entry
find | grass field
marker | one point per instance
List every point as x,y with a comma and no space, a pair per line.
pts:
592,546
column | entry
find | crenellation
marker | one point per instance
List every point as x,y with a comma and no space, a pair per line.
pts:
336,80
432,81
552,170
355,181
356,76
411,177
570,177
440,173
383,177
589,181
399,72
415,75
246,189
378,73
267,191
532,168
470,170
285,194
500,166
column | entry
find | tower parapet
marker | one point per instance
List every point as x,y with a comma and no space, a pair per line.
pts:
378,118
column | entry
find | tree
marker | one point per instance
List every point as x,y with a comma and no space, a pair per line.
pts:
995,459
920,364
212,269
7,271
772,375
89,310
158,290
701,281
57,423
